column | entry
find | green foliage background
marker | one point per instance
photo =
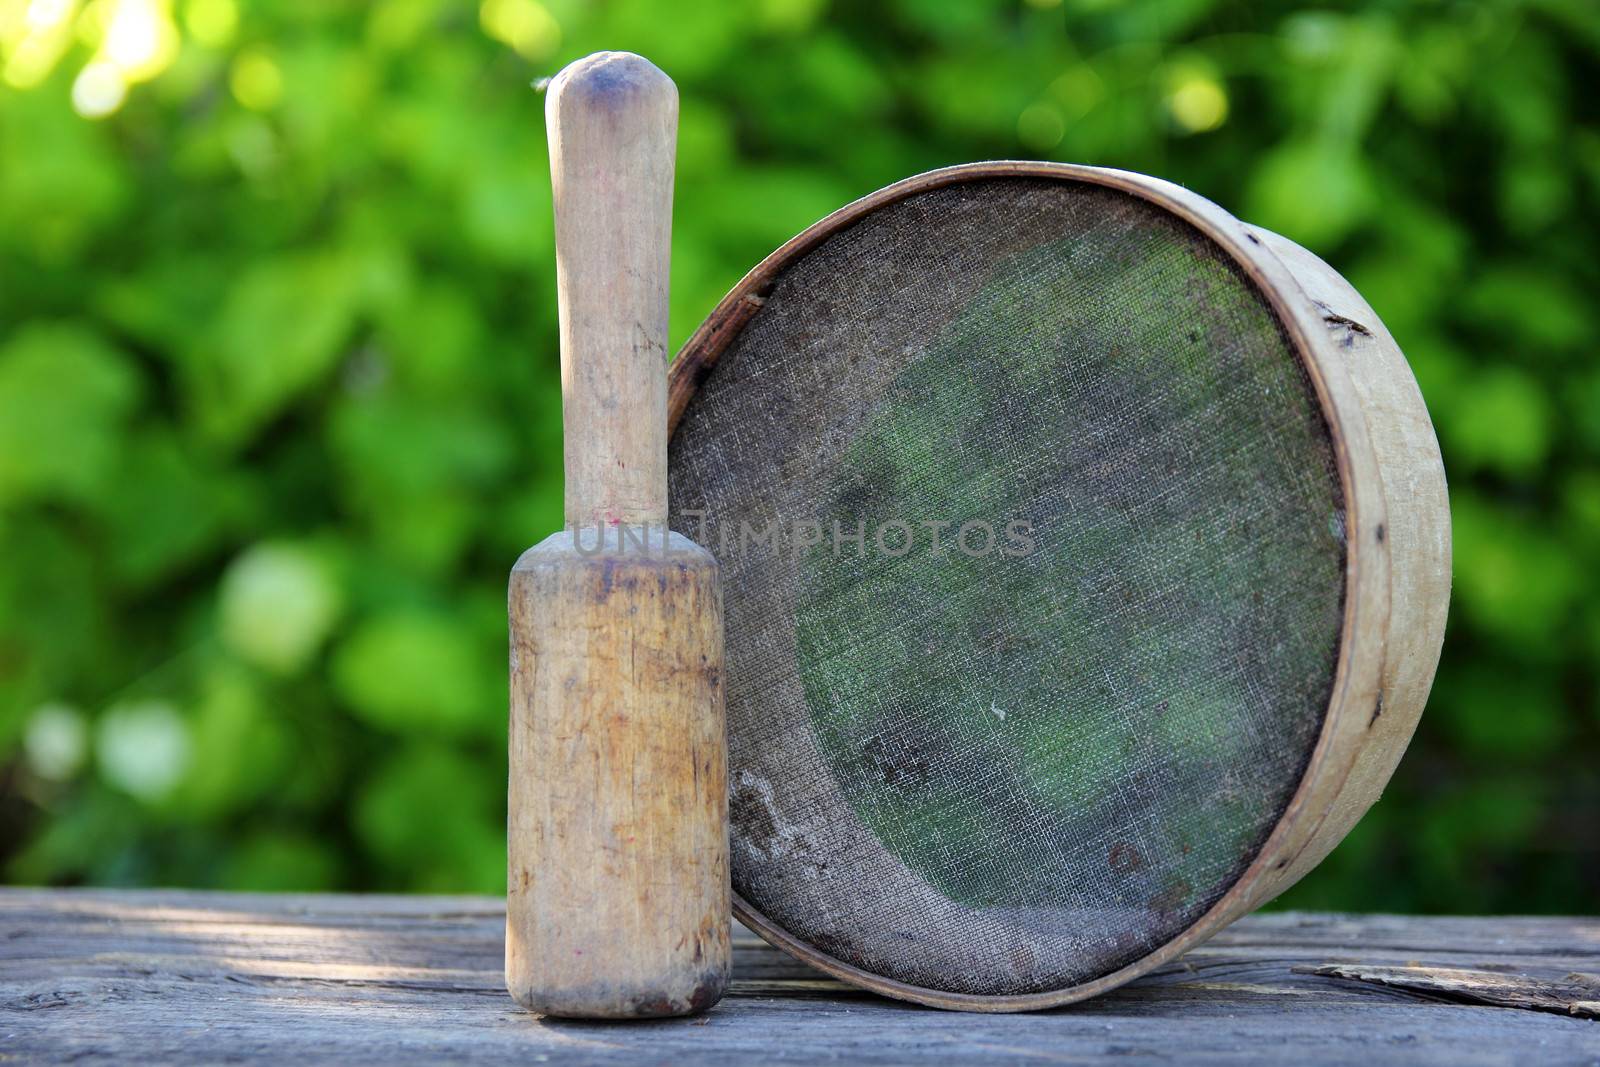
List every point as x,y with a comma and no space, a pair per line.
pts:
278,384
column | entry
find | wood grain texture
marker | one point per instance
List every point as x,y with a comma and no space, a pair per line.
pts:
613,125
1575,994
162,976
1397,579
617,873
1415,536
617,840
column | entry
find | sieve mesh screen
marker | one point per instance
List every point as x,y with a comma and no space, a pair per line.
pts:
1012,766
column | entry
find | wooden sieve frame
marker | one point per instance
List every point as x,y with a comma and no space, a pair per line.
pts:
1397,521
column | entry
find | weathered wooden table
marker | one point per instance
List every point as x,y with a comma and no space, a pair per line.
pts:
153,976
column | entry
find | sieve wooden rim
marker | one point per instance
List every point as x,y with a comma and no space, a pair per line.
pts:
1302,835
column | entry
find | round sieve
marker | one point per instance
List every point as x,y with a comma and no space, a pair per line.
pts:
1085,557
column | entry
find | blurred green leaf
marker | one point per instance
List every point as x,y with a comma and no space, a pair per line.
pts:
420,673
240,746
54,632
163,510
282,863
434,815
65,181
280,330
1503,421
505,207
1514,580
435,337
417,471
65,396
1497,713
1314,192
1534,308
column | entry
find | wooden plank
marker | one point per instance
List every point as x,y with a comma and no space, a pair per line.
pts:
1573,994
90,975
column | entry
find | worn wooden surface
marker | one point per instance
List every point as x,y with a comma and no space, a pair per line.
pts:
618,863
155,976
612,119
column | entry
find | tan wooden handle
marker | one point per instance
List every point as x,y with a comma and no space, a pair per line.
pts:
613,125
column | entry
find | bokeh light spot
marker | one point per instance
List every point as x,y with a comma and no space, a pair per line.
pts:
790,16
143,748
256,81
140,39
212,22
278,603
523,24
56,741
1198,104
47,14
1078,91
34,42
98,90
1041,126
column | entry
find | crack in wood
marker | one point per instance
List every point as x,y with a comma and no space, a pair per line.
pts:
1574,994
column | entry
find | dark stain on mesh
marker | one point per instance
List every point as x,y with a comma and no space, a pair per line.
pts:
755,821
1124,858
1005,775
